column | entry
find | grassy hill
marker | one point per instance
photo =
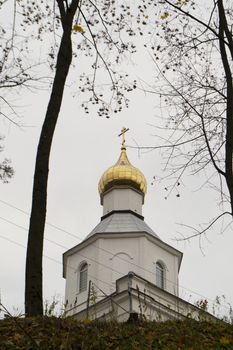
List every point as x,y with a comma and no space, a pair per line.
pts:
50,333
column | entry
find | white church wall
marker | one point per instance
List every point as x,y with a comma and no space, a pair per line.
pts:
88,254
136,295
137,253
122,199
115,260
124,256
111,258
153,301
154,254
111,309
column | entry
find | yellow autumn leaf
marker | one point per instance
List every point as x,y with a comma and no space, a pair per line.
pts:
78,29
86,321
165,15
182,3
225,340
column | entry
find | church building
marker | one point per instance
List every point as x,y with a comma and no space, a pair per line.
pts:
122,268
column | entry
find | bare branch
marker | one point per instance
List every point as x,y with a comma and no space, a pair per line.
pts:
188,14
199,233
172,145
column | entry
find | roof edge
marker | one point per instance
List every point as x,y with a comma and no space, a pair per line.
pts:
122,212
97,235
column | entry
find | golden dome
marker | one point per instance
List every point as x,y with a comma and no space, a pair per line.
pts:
122,173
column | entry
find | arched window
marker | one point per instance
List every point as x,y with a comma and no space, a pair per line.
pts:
83,277
160,275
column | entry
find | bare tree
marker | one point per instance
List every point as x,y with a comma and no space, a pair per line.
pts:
102,31
17,68
16,73
193,55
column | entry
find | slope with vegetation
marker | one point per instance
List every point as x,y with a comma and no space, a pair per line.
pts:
50,333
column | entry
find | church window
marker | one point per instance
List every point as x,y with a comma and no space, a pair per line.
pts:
160,275
83,277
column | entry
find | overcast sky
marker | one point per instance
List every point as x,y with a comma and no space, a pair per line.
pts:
84,147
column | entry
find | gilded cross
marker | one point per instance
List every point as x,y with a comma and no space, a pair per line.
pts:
123,131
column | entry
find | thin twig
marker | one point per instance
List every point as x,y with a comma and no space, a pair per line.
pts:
199,233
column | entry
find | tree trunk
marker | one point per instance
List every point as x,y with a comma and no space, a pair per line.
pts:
224,35
33,287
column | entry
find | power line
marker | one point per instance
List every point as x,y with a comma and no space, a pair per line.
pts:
109,296
95,261
91,276
73,235
52,259
59,245
47,223
64,247
100,248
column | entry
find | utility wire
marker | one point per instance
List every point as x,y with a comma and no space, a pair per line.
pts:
91,276
95,261
54,260
100,248
109,296
75,236
64,247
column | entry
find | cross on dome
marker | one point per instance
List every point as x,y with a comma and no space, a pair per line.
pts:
122,173
123,131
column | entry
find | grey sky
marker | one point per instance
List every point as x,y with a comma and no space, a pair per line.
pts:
84,146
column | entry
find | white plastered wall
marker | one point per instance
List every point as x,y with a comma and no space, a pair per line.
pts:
112,257
122,199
